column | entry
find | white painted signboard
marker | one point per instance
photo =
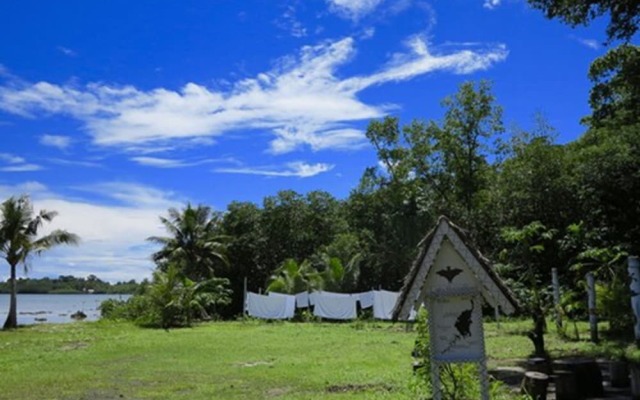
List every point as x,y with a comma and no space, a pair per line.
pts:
453,280
457,328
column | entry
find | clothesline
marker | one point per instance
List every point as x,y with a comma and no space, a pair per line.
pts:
329,305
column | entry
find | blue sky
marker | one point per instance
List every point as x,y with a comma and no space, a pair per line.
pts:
111,112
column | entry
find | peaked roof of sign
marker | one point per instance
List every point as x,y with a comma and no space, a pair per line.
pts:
424,246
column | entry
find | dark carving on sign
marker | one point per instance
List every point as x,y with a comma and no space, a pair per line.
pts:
449,273
463,326
463,323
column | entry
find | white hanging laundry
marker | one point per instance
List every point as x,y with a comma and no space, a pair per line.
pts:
312,298
365,299
302,300
290,306
383,303
268,307
334,305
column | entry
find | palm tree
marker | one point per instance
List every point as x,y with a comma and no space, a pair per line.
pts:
292,277
194,244
178,300
19,241
338,277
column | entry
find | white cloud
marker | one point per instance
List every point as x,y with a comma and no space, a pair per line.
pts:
353,9
590,43
173,163
21,168
58,141
491,4
78,163
302,101
113,236
67,51
297,168
368,33
11,159
130,194
16,164
289,22
161,162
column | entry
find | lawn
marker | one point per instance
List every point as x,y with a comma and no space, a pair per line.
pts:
228,360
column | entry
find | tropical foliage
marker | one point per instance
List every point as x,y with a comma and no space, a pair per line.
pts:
194,246
19,242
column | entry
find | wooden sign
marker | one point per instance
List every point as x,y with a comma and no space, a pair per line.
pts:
453,280
457,323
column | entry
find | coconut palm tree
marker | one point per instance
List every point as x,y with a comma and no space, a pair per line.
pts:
293,277
194,245
177,300
19,241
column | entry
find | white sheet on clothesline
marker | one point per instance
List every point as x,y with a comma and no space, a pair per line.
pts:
383,303
290,305
268,307
365,299
302,300
333,305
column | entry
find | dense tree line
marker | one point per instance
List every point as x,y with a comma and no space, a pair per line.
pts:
528,202
68,284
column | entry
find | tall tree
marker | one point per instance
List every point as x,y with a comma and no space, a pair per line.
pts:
19,240
195,244
615,95
241,223
472,119
295,226
534,182
607,172
624,14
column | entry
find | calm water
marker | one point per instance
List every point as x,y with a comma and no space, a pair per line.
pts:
55,308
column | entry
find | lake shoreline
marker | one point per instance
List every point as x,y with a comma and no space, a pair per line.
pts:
56,308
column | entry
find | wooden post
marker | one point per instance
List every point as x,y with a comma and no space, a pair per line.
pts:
593,318
633,268
535,385
556,296
566,385
586,375
496,309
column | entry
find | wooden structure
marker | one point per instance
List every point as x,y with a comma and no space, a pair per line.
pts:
453,280
586,382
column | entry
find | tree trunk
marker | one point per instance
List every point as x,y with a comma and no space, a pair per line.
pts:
537,334
12,318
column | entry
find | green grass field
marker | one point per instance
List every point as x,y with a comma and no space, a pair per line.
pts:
229,360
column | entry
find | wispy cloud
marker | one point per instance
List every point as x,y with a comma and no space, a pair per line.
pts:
11,159
16,164
58,141
290,23
303,101
174,163
67,51
113,235
491,4
590,43
353,9
78,163
293,169
21,168
127,193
